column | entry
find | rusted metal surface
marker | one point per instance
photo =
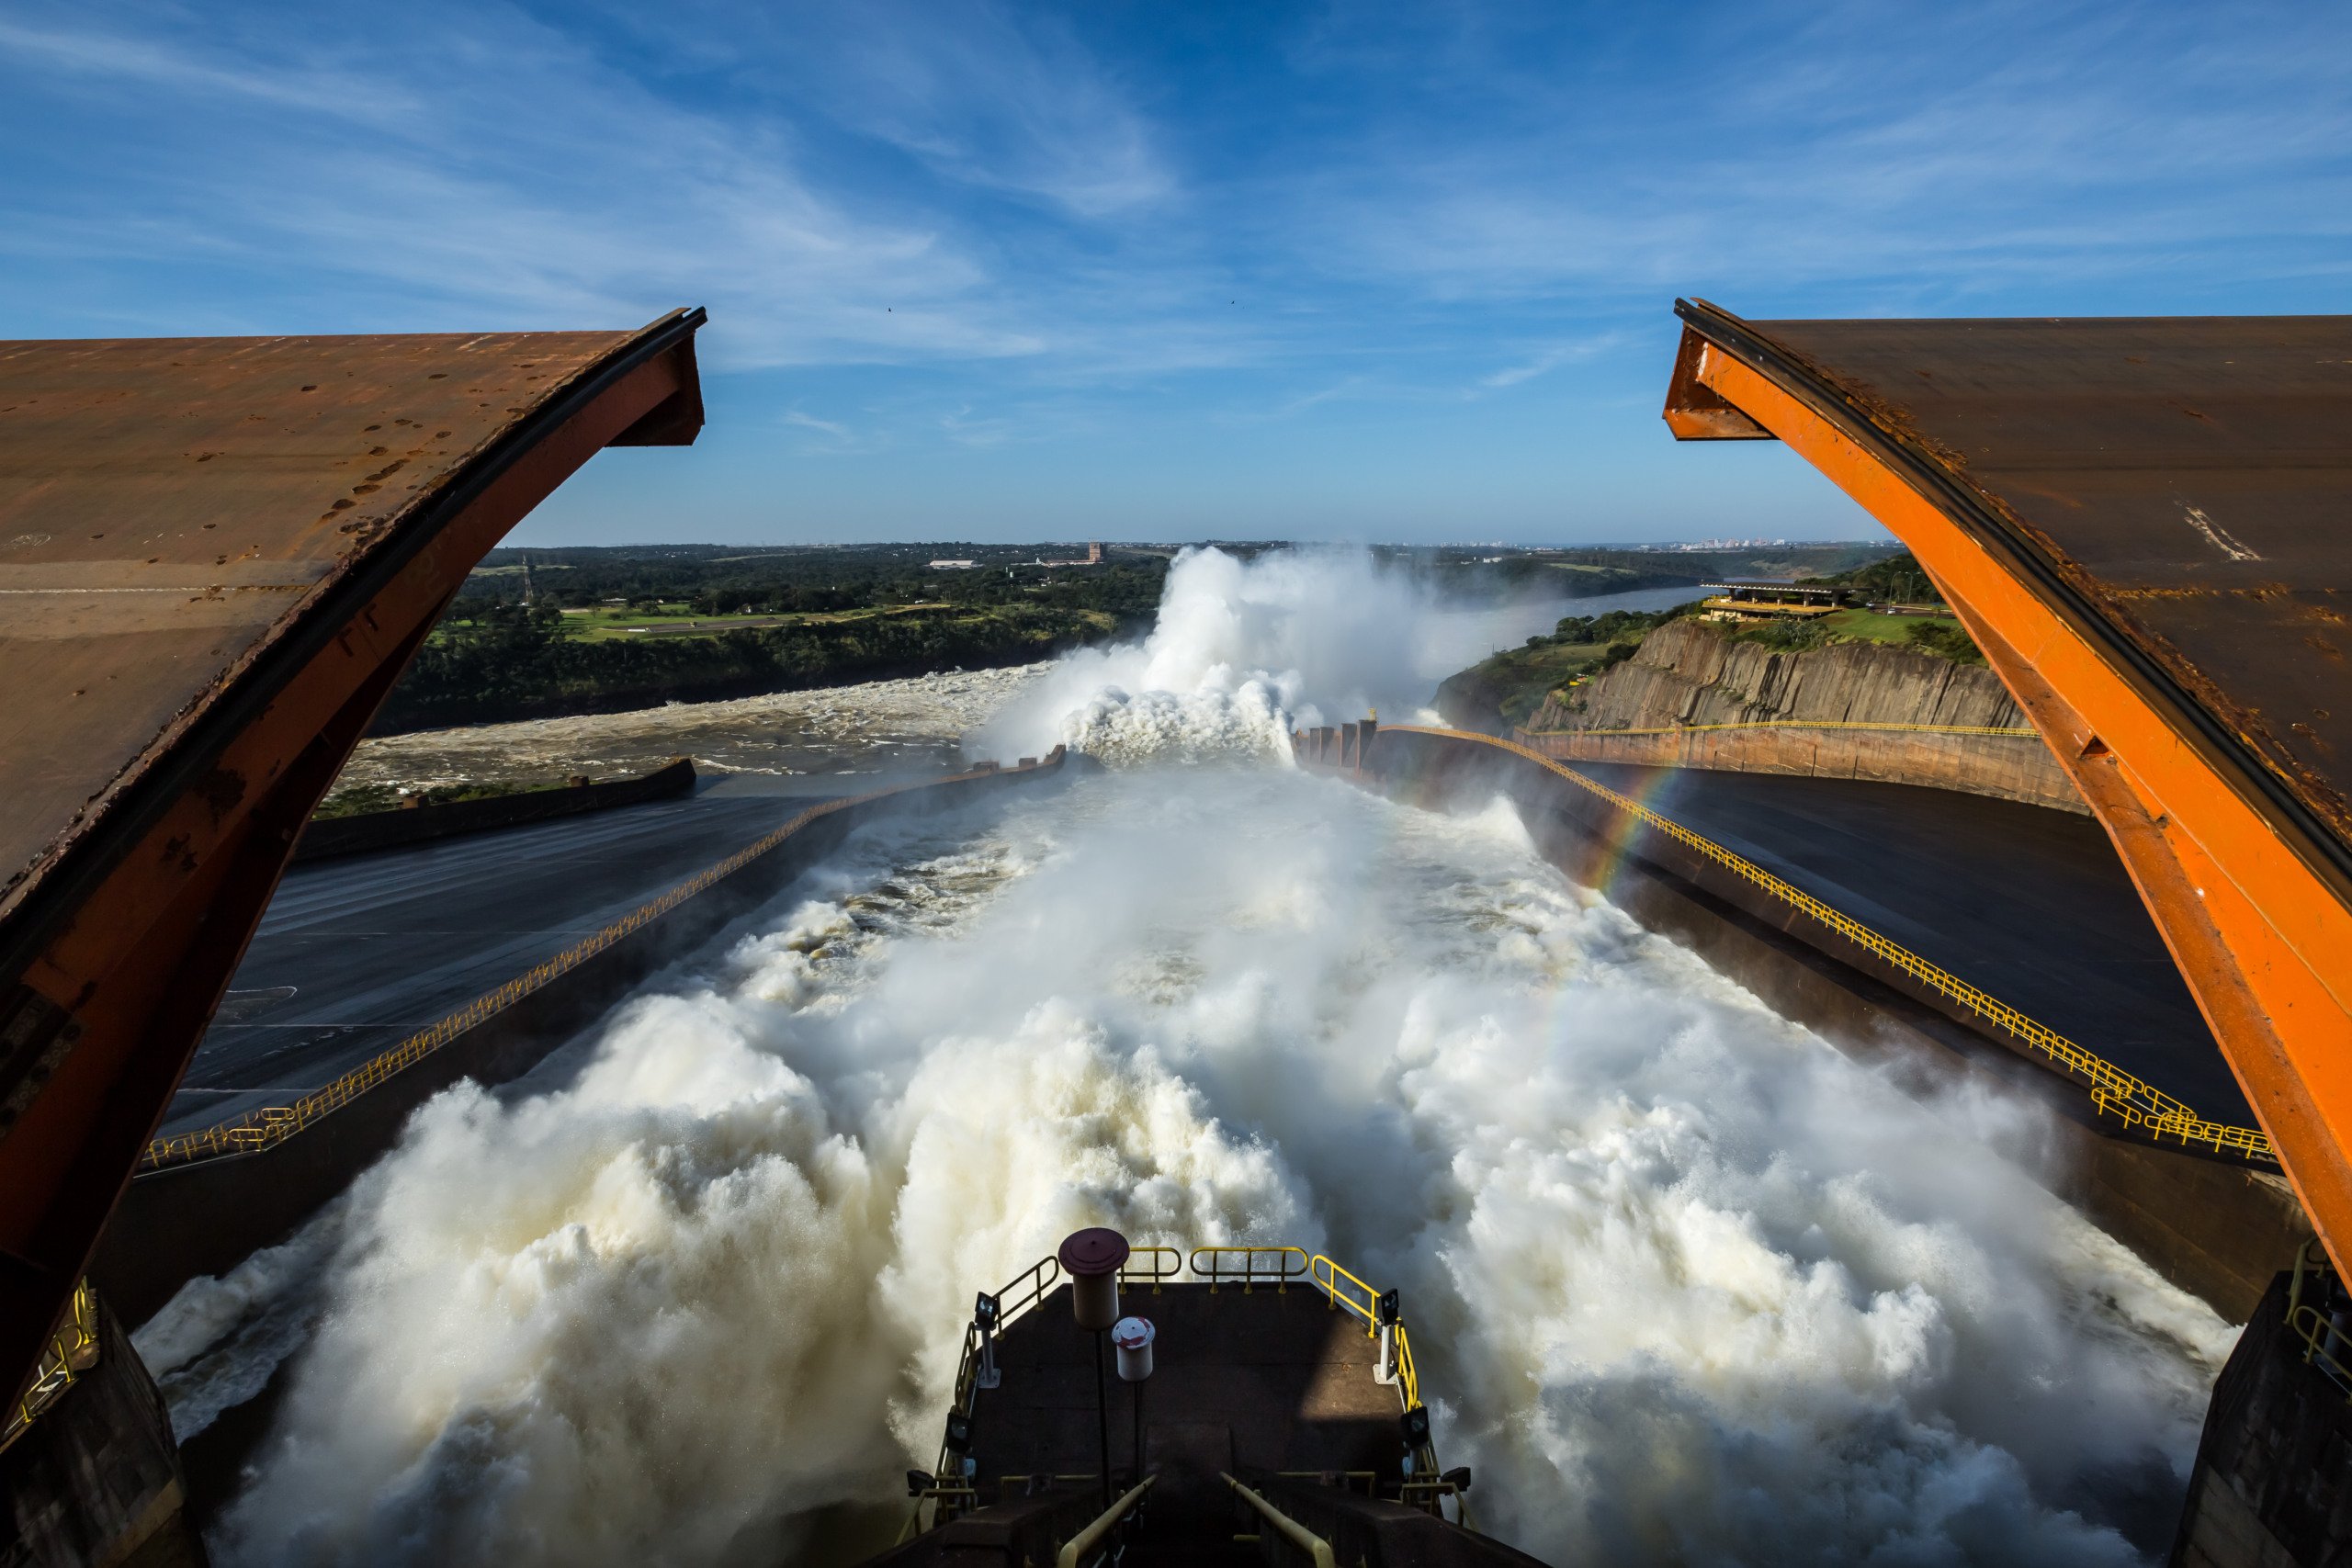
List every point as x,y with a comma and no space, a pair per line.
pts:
2141,521
216,556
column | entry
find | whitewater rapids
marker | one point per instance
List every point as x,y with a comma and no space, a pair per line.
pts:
1686,1284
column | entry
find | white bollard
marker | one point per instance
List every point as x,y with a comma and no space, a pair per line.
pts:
1133,1337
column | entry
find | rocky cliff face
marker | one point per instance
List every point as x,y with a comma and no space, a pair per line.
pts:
1693,672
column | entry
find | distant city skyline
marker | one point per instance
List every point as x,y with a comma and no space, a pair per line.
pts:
1338,271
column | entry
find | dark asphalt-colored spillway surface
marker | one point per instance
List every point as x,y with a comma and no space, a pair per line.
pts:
356,954
2029,904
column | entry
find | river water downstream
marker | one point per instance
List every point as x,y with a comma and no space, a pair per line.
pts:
1686,1284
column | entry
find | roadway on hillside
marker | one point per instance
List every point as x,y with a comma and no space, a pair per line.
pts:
2029,904
357,953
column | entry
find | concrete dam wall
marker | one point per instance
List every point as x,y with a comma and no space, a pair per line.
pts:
325,838
1685,696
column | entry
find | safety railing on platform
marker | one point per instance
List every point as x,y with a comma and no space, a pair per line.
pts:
2013,731
1252,1266
1150,1265
2114,1092
1087,1546
1348,1292
71,1351
1317,1550
2326,1336
947,1486
257,1130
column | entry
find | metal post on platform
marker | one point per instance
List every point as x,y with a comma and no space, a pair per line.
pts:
1093,1258
1132,1337
1102,1418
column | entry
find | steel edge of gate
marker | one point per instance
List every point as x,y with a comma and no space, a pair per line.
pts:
2226,834
118,940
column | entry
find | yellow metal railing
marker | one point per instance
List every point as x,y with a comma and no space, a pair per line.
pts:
257,1130
1343,1289
1227,1264
2010,731
1317,1550
1221,1263
2114,1092
71,1351
1086,1541
2319,1333
1329,1275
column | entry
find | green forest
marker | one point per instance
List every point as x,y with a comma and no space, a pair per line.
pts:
542,632
511,660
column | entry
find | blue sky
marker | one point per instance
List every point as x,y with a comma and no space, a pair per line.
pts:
1162,270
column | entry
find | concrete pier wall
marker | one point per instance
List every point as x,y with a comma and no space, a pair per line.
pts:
2216,1227
336,836
2269,1488
1689,676
95,1479
204,1218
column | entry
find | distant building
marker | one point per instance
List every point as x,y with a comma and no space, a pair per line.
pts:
1746,599
1094,558
952,565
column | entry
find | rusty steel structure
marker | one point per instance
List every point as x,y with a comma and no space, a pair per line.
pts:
216,556
2142,523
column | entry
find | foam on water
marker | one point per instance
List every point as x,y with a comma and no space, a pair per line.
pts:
1242,653
1686,1283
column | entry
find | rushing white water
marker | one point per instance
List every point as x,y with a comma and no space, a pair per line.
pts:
1243,652
1686,1284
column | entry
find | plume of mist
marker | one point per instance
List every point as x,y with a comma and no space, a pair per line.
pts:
1685,1284
1244,651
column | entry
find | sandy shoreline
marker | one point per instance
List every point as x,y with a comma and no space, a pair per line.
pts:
915,722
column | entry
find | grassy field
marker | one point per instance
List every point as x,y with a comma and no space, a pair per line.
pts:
1865,626
677,618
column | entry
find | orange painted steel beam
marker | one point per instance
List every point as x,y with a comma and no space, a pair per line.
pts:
119,935
2239,873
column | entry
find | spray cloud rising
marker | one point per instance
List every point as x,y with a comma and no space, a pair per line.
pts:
1244,651
1687,1284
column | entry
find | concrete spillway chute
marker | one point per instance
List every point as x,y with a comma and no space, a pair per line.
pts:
216,556
2142,522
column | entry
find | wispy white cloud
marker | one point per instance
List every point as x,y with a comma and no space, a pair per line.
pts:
2004,144
811,422
994,96
833,438
125,56
522,178
965,429
997,233
1547,360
